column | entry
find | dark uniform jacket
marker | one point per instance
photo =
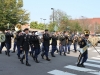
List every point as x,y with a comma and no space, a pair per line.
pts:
46,39
83,43
62,39
69,40
18,39
25,41
75,40
54,40
8,37
34,40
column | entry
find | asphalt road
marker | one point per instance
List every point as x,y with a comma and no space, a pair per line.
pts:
60,65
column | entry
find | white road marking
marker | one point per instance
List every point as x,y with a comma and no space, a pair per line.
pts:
58,72
95,61
97,58
83,69
92,65
95,51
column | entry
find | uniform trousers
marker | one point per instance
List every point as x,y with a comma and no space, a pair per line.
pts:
8,46
37,52
18,50
83,57
46,50
54,48
68,47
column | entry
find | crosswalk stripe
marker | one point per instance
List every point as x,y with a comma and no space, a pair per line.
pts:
95,61
92,65
95,50
58,72
83,69
96,58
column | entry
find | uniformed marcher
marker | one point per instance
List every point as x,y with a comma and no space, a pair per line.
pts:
62,44
18,39
25,44
14,45
8,40
69,43
54,44
75,42
1,47
84,44
32,38
46,44
36,45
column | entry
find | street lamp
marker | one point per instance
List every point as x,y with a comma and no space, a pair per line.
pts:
41,20
53,14
44,23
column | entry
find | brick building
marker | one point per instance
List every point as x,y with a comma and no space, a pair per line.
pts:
93,24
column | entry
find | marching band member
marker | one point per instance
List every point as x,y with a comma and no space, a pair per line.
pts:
8,36
18,39
2,45
46,43
62,44
14,45
25,44
75,41
83,50
68,44
54,44
32,38
36,46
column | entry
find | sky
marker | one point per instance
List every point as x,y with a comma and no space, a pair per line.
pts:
74,8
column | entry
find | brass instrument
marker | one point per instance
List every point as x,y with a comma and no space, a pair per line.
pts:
2,37
86,32
18,27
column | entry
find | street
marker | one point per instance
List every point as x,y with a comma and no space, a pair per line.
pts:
60,65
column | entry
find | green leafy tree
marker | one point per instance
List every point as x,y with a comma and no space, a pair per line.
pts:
11,12
36,25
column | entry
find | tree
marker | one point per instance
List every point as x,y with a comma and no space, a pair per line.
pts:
51,26
75,27
36,25
11,12
59,15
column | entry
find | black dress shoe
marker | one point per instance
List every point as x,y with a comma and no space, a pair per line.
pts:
8,55
82,65
42,56
6,52
36,60
53,56
27,64
47,59
79,65
64,54
13,51
75,51
22,61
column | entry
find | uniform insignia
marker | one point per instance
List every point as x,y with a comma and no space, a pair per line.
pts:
82,43
24,37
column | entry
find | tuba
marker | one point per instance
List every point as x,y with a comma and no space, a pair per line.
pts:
87,32
2,37
18,27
